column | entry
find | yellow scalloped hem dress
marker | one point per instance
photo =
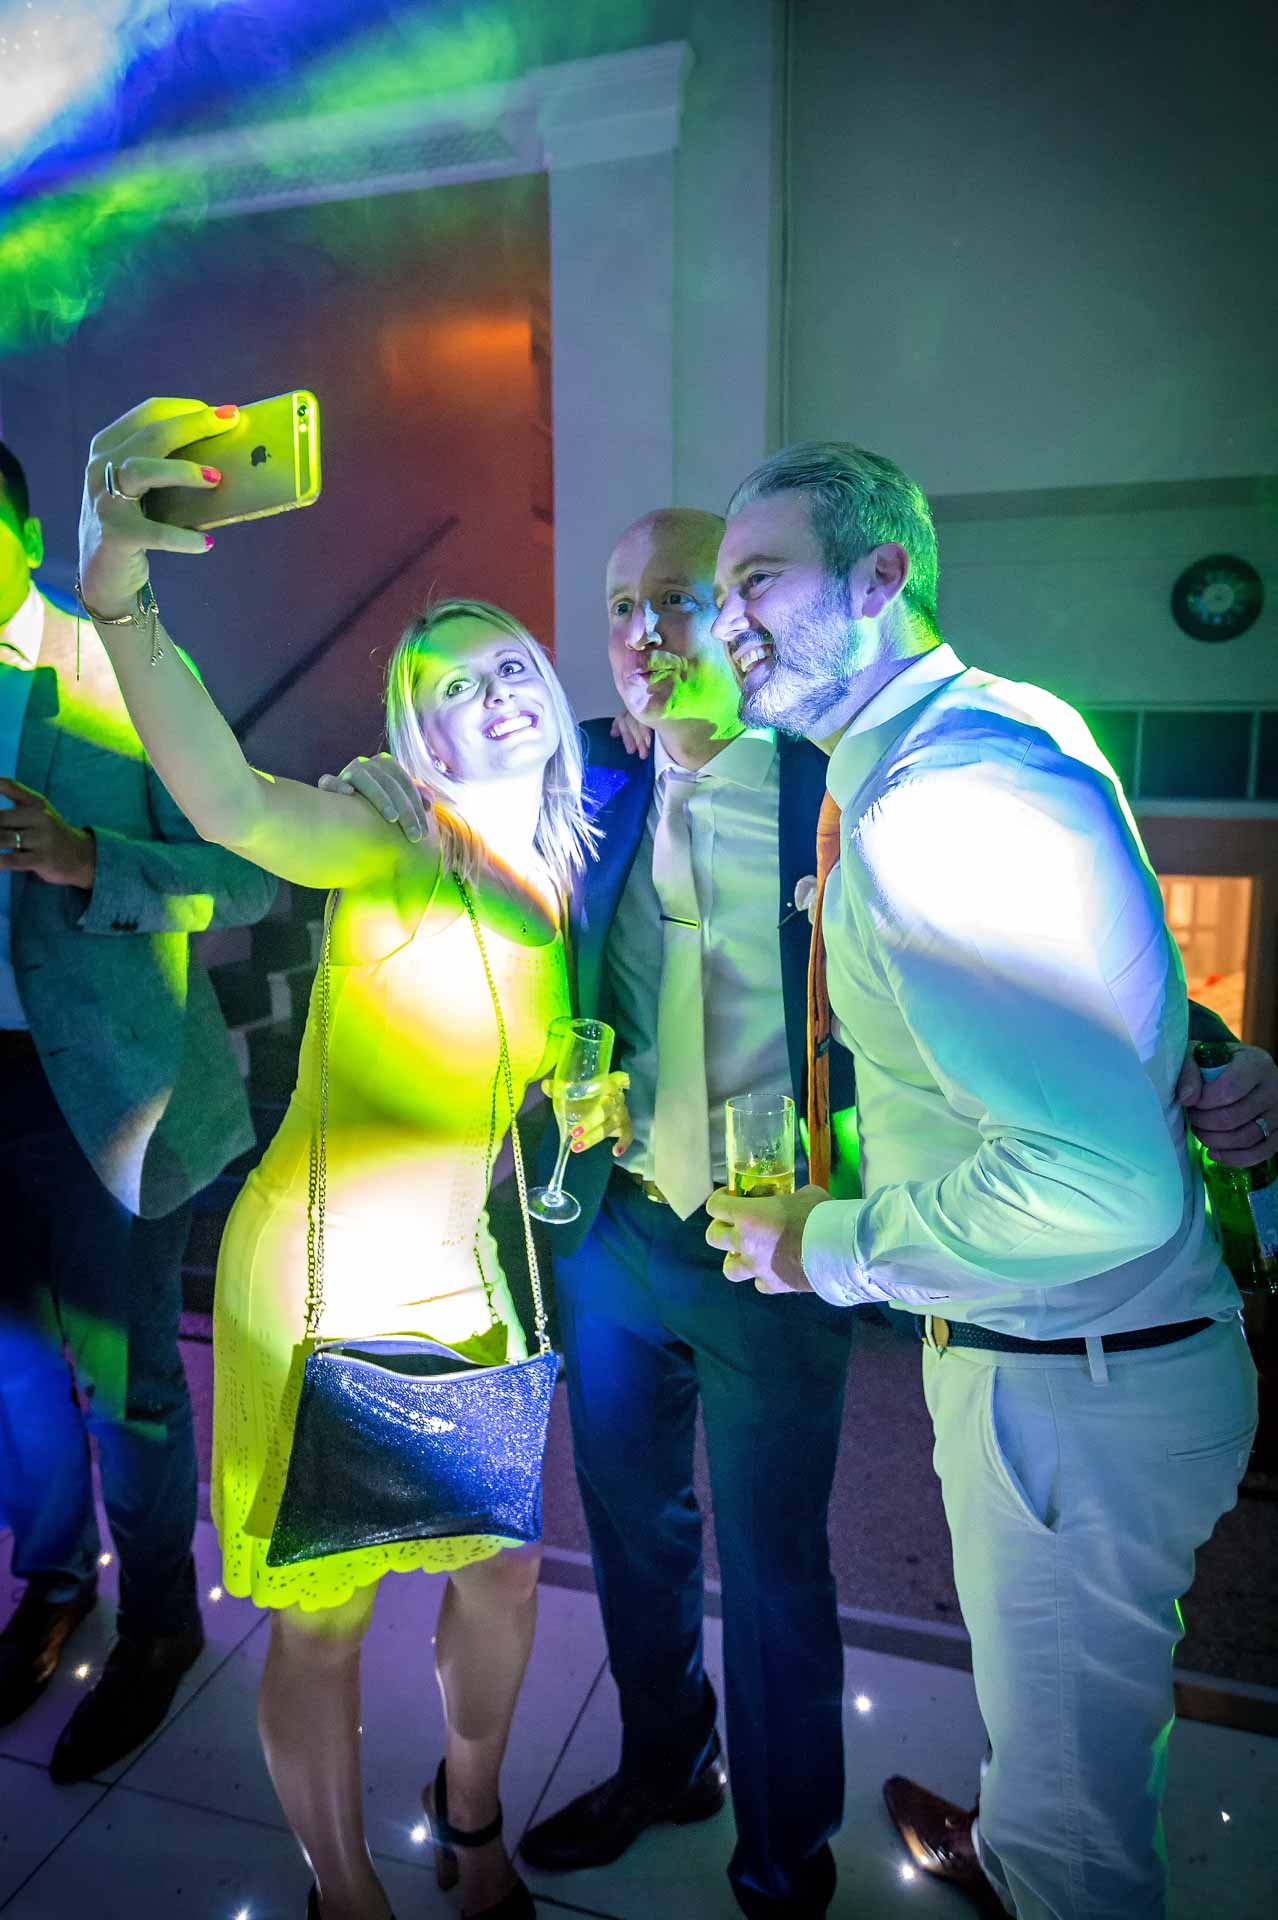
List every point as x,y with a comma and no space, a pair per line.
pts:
412,1057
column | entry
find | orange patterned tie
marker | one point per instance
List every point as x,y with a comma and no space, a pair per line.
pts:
827,852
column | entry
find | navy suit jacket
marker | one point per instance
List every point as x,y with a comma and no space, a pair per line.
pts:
618,788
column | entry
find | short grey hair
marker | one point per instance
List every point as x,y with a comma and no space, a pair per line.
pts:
857,501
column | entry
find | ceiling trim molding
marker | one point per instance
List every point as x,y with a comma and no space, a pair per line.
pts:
1139,496
578,113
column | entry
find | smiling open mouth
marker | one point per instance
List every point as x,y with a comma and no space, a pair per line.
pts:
511,724
752,661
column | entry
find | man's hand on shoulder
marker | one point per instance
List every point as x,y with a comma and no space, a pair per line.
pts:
634,736
388,787
34,838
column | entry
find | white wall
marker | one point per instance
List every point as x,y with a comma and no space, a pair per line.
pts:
727,288
1032,254
1080,602
1033,244
611,296
664,322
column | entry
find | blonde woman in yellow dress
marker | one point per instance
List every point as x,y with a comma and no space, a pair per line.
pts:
473,709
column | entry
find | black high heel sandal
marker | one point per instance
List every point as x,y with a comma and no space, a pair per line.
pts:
515,1905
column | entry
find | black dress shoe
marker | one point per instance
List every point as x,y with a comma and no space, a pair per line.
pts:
938,1835
31,1645
599,1825
128,1703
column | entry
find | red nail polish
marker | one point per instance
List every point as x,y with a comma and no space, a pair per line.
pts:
208,541
211,474
225,413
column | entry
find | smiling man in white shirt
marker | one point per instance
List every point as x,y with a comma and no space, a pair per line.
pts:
998,964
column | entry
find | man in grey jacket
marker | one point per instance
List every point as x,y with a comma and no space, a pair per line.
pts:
119,1099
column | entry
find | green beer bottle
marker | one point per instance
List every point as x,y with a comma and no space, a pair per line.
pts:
1243,1200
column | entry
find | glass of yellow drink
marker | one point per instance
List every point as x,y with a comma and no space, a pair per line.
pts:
760,1144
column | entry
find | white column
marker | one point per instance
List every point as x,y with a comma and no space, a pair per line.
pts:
612,334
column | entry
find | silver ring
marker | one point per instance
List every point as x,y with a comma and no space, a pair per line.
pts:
114,490
17,848
1264,1127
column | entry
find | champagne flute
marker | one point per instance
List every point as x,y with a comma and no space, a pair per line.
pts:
577,1085
760,1145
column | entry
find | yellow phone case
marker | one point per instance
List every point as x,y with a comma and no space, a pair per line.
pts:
269,462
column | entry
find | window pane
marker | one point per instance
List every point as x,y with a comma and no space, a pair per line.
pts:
1267,770
1114,731
1195,756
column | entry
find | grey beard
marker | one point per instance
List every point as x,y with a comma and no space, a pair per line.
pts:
809,682
797,708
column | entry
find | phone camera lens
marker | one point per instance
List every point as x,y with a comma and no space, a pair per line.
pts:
302,409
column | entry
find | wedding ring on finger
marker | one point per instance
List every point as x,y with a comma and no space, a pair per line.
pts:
112,485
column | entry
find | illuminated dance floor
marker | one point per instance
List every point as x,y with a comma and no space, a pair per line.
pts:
189,1829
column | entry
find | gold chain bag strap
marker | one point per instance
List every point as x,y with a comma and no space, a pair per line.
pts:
405,1438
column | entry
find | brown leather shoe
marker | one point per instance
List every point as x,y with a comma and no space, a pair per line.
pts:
939,1838
31,1645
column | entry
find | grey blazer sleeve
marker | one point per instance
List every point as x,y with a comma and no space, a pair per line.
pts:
174,883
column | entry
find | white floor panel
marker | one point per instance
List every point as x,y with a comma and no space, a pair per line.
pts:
136,1858
210,1756
226,1623
192,1828
35,1818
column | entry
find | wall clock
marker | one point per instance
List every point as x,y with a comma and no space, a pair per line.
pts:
1217,598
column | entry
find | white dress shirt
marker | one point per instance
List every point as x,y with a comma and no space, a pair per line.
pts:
999,965
733,819
19,656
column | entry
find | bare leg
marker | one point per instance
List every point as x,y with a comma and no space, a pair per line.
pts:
482,1644
308,1719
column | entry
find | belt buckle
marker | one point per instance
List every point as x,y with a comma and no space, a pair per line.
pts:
651,1191
936,1332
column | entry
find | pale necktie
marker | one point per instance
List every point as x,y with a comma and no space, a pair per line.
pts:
681,1121
827,852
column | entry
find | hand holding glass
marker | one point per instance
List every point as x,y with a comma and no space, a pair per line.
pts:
760,1145
577,1086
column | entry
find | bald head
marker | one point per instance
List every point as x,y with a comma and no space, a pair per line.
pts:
666,665
691,533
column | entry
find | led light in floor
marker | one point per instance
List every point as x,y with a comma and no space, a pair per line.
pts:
104,1559
907,1872
215,1593
83,1671
418,1835
1224,1816
862,1703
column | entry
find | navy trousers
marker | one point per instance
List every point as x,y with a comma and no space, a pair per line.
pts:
90,1300
650,1326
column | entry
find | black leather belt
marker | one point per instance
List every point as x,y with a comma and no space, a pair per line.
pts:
651,1191
964,1333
